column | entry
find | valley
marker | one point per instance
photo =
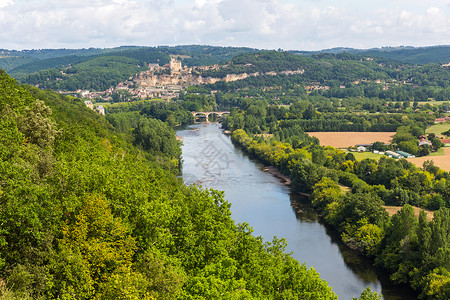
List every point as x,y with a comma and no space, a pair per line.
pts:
92,199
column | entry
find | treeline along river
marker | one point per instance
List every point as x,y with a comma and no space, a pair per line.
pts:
267,204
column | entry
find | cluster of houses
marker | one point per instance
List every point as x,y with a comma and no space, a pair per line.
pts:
164,86
163,92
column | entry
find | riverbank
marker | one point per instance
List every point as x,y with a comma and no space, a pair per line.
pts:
274,171
263,201
341,208
286,179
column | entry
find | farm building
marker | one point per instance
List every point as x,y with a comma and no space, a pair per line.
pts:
405,154
361,149
393,154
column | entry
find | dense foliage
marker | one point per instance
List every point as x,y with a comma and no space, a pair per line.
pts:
198,55
84,214
171,113
12,59
438,54
95,74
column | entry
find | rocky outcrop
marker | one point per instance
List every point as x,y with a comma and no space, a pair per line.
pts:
149,79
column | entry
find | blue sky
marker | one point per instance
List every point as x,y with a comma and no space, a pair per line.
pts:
265,24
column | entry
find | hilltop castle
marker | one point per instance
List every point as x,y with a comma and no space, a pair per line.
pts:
175,66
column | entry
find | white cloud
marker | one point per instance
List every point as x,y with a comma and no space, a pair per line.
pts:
289,24
5,3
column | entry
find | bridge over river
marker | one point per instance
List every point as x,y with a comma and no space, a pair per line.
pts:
199,114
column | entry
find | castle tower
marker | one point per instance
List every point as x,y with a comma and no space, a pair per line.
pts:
175,66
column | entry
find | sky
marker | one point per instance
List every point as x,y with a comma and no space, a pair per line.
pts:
262,24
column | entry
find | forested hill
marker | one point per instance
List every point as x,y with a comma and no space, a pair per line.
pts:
88,211
100,69
28,61
340,67
336,75
411,55
425,55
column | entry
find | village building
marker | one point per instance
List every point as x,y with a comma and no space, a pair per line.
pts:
84,93
423,141
100,109
89,104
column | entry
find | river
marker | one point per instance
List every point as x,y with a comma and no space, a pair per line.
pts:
262,200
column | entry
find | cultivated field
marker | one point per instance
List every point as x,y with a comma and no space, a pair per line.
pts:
348,139
441,161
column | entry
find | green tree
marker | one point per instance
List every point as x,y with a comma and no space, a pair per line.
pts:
103,245
401,234
363,236
37,126
325,192
367,294
436,143
409,147
155,136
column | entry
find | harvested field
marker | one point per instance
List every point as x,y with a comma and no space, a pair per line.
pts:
348,139
392,210
441,161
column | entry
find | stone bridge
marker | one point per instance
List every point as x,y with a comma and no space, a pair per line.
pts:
207,113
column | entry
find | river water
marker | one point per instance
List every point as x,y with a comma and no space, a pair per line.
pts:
262,200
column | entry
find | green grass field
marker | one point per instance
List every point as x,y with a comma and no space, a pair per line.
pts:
364,155
438,153
437,129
